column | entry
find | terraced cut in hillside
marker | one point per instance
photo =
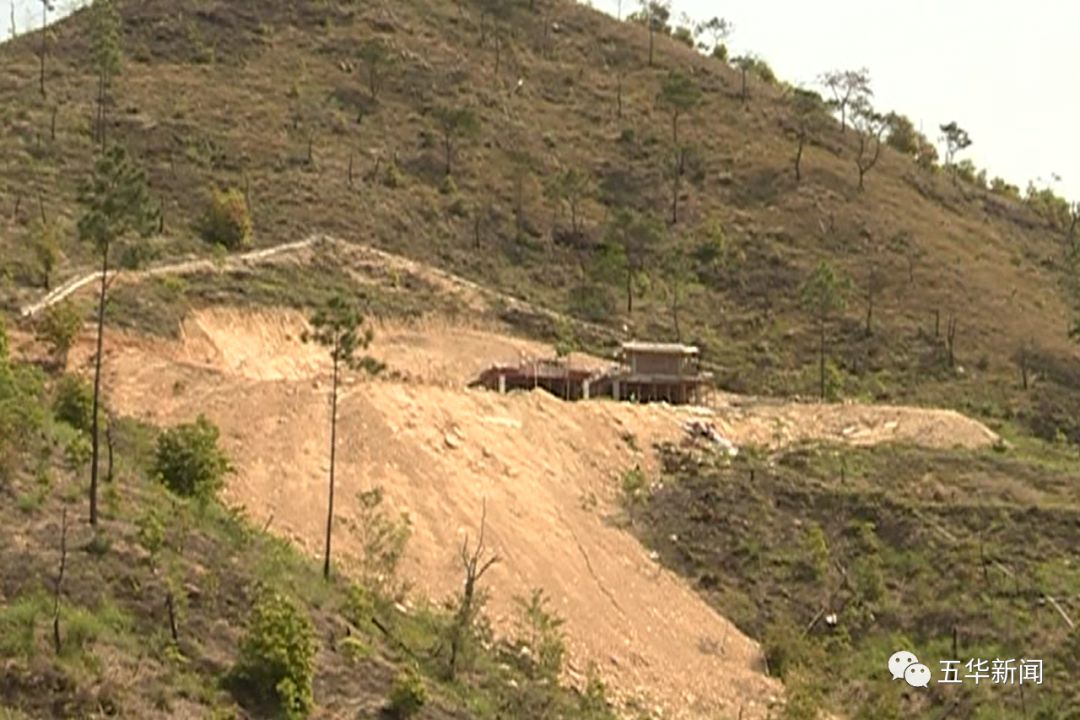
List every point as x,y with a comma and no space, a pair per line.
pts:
548,471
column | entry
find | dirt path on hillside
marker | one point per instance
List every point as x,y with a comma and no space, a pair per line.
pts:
548,471
357,259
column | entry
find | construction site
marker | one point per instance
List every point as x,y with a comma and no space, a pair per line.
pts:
444,443
646,372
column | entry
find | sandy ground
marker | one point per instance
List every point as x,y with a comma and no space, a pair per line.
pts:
548,472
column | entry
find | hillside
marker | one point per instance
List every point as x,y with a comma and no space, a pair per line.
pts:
218,94
477,250
151,614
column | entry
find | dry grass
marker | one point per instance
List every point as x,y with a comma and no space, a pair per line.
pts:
223,96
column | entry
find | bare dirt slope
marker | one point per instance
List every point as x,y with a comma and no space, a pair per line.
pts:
548,472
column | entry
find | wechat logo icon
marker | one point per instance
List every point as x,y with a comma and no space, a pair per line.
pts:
903,665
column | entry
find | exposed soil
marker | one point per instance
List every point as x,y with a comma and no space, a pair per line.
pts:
549,473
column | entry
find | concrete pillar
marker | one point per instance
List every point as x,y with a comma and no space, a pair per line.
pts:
615,390
502,383
585,390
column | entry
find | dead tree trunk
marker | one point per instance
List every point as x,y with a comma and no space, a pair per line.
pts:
58,588
44,43
95,435
675,318
1024,367
821,358
950,341
798,156
333,457
871,288
110,443
676,178
170,607
475,566
618,97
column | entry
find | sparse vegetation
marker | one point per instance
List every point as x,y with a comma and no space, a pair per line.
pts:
58,328
45,241
408,696
277,655
74,403
539,115
455,123
836,556
227,221
337,327
189,462
117,204
824,294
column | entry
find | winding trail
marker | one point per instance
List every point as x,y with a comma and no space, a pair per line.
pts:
72,286
445,279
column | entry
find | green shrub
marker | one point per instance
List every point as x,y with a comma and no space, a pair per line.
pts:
867,571
74,402
407,696
383,538
965,170
21,416
136,255
277,656
58,327
393,177
448,186
804,698
188,460
787,650
999,187
594,702
18,621
542,634
81,627
765,72
814,558
354,648
634,485
684,35
78,452
903,137
228,220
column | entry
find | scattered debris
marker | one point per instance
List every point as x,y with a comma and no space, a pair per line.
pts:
698,429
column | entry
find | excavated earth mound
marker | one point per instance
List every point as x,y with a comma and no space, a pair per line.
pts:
548,473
